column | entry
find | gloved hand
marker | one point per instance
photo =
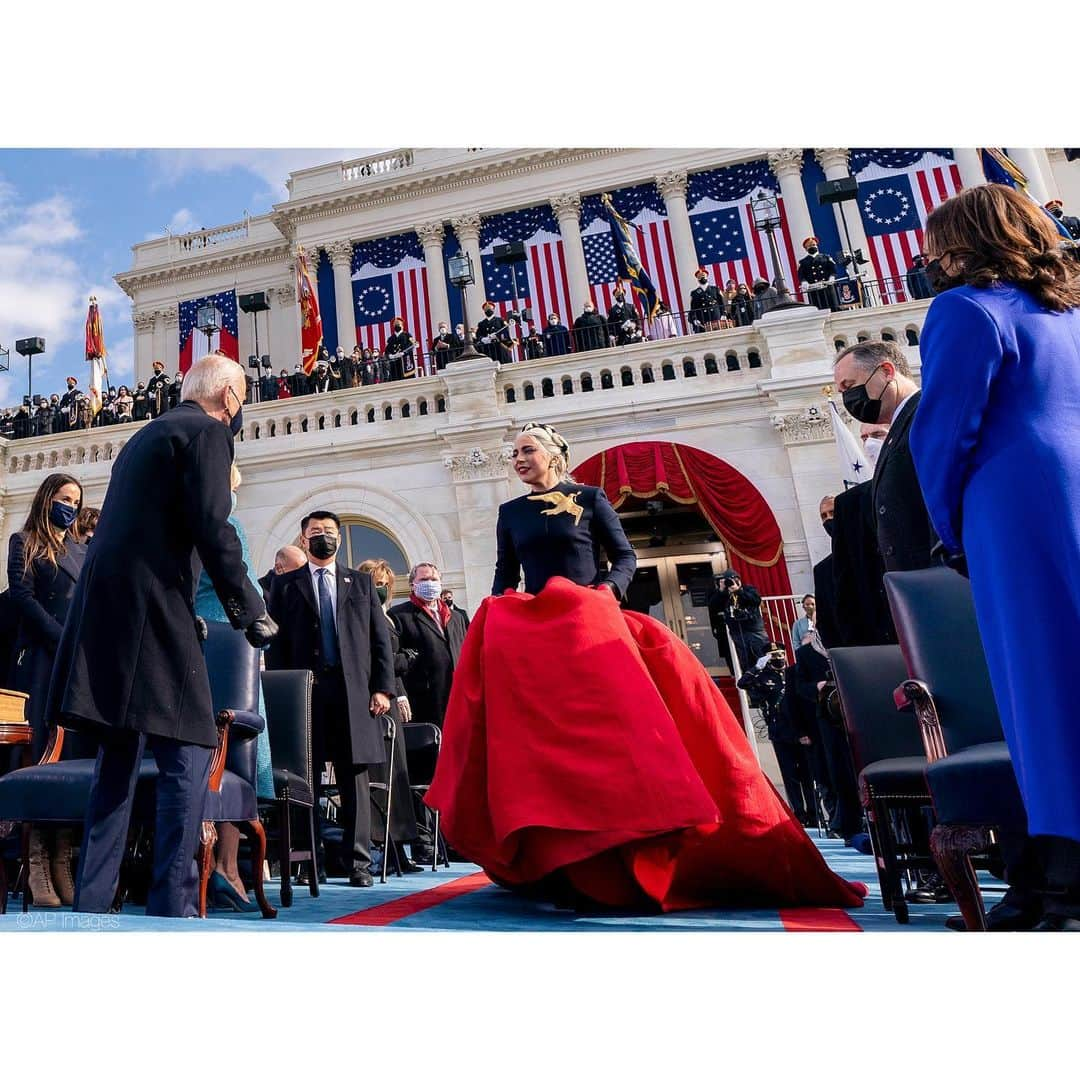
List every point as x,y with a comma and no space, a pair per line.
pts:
261,631
201,628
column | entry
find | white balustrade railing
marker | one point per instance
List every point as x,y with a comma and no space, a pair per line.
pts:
361,168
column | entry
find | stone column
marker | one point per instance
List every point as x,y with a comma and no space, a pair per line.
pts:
171,355
567,209
340,253
467,230
158,351
144,343
835,163
284,328
967,161
672,187
1028,161
431,235
787,168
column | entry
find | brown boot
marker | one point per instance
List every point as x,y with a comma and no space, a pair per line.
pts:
60,864
42,893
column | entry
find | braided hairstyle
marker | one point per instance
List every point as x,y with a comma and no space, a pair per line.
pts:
552,442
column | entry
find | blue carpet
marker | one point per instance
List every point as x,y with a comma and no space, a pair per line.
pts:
490,908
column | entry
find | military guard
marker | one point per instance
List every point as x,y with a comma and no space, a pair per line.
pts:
624,325
158,389
493,335
401,352
707,308
1071,223
816,272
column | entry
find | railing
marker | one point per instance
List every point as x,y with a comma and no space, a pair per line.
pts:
204,238
359,168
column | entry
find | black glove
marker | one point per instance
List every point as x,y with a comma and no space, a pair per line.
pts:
201,628
261,631
940,557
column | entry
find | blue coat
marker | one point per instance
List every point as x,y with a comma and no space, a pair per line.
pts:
996,444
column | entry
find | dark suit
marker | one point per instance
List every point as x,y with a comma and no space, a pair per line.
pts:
41,600
902,523
343,730
825,594
130,666
862,611
428,680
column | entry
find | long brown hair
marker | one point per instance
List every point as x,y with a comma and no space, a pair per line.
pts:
42,541
1000,234
85,524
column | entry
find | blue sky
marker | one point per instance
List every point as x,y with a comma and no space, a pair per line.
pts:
68,220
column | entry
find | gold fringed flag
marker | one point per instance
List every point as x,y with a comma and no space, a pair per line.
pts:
311,331
95,353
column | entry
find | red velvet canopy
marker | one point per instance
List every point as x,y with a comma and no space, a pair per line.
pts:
731,505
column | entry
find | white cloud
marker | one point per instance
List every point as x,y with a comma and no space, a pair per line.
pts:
43,289
181,222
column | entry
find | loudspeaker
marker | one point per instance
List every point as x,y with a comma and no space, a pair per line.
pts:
252,302
834,191
30,346
509,253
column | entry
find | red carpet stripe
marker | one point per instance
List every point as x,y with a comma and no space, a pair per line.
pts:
818,919
394,910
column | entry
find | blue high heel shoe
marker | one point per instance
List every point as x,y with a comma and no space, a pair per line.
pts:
223,895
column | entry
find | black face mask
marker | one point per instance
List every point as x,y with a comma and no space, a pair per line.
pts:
812,250
940,281
323,546
829,526
860,404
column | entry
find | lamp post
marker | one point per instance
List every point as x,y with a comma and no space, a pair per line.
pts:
461,275
766,211
208,320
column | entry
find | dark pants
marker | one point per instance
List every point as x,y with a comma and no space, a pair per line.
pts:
848,817
794,765
331,742
1043,872
183,776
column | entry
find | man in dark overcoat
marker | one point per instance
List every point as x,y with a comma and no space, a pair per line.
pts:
333,625
129,666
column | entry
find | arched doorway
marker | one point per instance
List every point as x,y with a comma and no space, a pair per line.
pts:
689,515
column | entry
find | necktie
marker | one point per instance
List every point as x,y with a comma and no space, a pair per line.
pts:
327,628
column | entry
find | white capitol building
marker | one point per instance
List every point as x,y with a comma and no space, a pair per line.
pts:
418,467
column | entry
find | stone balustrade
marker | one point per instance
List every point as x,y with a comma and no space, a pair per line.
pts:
660,373
361,168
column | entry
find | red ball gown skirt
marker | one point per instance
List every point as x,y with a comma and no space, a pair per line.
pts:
587,750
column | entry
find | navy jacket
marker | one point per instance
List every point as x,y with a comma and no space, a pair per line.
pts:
561,533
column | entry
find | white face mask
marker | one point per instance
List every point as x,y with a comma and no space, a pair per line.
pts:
871,448
429,591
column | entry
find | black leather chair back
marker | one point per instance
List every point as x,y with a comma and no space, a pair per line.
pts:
233,666
865,680
935,623
422,742
288,713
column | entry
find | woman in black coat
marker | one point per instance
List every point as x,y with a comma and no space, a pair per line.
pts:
403,823
44,564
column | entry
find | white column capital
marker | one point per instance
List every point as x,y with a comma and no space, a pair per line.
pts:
786,162
672,183
431,233
566,205
143,320
833,158
171,317
340,253
284,295
467,227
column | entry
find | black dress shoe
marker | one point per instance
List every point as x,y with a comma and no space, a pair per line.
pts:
1058,922
423,855
303,876
361,879
410,867
1002,917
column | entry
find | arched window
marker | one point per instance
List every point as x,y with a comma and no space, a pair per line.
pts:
689,368
371,416
547,388
753,358
731,360
647,374
567,385
606,382
627,377
362,539
406,409
440,404
423,406
510,395
530,393
388,412
710,364
912,335
669,372
586,383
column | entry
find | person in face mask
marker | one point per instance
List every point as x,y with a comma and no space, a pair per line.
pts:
130,661
44,563
590,329
874,379
556,336
816,272
332,624
825,615
707,307
445,346
435,632
624,324
873,438
493,335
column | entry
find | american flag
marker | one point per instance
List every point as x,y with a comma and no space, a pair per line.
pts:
389,279
643,208
894,203
722,223
542,278
193,343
